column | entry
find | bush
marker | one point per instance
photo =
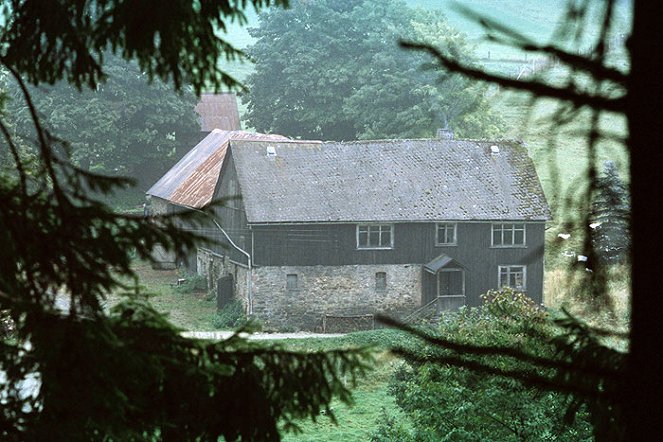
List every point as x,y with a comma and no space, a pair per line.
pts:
448,403
193,284
231,315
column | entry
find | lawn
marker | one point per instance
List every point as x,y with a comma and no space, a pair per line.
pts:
372,400
189,311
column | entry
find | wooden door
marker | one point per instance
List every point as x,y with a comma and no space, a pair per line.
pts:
450,289
225,291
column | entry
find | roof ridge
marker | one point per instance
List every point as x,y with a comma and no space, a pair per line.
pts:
407,140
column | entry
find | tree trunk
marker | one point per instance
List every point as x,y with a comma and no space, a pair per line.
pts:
644,386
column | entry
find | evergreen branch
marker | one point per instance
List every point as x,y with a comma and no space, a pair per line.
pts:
539,88
527,378
594,67
17,160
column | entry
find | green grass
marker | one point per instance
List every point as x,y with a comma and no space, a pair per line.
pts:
354,423
189,311
371,398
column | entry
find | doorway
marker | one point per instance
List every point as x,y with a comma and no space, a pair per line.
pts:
450,289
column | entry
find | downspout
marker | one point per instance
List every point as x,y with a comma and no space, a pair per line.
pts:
249,274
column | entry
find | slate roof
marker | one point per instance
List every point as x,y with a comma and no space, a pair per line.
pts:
388,181
218,111
191,182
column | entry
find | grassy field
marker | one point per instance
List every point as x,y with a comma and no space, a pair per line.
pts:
194,311
189,311
371,397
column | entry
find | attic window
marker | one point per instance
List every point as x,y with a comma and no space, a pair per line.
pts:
271,152
495,150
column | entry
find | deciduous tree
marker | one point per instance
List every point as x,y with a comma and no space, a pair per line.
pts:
125,126
332,70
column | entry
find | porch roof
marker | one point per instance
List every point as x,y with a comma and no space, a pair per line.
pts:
441,262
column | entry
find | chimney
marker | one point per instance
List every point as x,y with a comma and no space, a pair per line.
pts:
445,134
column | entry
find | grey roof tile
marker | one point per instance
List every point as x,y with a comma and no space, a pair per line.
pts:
388,180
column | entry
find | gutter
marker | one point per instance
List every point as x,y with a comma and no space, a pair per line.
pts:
249,274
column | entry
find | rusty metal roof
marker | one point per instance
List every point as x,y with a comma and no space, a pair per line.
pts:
191,182
218,111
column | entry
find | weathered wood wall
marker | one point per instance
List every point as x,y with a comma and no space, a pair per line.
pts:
414,243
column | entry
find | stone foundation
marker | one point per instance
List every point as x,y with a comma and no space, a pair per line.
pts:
321,290
214,266
331,290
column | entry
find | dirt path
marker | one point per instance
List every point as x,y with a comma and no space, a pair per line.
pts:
220,335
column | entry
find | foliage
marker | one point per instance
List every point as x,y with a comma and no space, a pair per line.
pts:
612,211
184,42
331,70
127,374
192,283
451,403
231,315
123,127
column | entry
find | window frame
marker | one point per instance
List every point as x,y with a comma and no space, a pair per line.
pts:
508,276
437,234
380,276
379,226
288,286
513,230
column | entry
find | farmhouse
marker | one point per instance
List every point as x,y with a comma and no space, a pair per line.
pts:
311,229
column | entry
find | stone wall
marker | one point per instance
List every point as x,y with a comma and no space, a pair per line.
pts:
321,290
213,266
331,290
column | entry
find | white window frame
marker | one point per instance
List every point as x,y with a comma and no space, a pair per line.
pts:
379,227
437,234
509,272
514,227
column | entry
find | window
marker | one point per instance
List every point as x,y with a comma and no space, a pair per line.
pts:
508,235
380,281
375,236
291,281
445,234
512,276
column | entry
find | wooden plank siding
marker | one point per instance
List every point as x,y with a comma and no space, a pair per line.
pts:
230,214
414,243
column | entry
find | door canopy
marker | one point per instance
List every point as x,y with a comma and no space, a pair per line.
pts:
441,262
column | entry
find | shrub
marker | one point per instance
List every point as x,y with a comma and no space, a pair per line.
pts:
231,315
193,284
449,403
